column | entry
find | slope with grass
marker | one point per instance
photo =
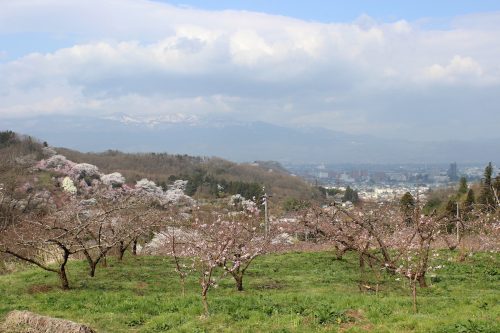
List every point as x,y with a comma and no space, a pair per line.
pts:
293,292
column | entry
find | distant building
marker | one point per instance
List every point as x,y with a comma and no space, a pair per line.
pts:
441,179
397,177
453,172
322,174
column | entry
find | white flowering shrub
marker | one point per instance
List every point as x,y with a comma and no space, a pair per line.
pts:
56,161
114,179
68,185
177,196
48,151
148,186
85,171
239,202
236,199
178,185
283,238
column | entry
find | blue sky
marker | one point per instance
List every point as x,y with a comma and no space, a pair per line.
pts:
394,69
347,10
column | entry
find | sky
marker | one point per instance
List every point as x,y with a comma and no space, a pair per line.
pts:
426,70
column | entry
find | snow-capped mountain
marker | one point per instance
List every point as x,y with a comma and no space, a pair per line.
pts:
152,121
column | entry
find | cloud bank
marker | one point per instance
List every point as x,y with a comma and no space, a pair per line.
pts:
391,79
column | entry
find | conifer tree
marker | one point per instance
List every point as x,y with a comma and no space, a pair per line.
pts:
469,201
462,188
486,198
407,205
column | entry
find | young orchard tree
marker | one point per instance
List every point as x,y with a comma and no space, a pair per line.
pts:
248,241
381,236
175,243
111,218
315,225
215,239
42,238
208,244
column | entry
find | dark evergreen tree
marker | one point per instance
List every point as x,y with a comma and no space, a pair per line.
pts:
407,205
496,189
469,202
350,195
451,208
486,197
462,188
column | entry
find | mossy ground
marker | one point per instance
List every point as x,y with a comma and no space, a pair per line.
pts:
292,292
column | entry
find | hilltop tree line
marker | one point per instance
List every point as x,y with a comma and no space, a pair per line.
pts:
203,173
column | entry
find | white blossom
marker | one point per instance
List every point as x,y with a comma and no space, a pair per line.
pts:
148,186
83,170
178,185
56,161
68,185
114,179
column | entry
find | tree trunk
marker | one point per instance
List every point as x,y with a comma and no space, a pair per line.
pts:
361,261
238,278
92,268
134,247
421,281
361,284
414,294
121,251
62,271
205,301
64,279
91,263
340,254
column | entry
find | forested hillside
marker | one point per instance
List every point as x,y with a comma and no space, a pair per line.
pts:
203,173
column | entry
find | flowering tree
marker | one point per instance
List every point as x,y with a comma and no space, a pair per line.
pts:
247,242
207,243
42,238
381,236
112,218
212,239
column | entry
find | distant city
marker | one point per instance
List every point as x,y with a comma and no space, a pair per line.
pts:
387,182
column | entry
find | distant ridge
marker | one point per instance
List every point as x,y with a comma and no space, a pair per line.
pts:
246,142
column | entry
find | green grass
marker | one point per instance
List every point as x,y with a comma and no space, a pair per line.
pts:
294,292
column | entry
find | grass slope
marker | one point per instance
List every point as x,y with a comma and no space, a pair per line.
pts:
294,292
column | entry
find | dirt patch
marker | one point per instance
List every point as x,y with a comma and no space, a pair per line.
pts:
358,320
39,288
140,288
28,322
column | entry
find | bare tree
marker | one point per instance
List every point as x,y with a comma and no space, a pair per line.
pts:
46,241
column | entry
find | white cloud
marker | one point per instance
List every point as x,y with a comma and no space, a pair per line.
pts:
152,58
459,68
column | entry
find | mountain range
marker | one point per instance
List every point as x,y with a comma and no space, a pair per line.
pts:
242,142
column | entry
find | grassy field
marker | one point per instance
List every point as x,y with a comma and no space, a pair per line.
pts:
293,292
